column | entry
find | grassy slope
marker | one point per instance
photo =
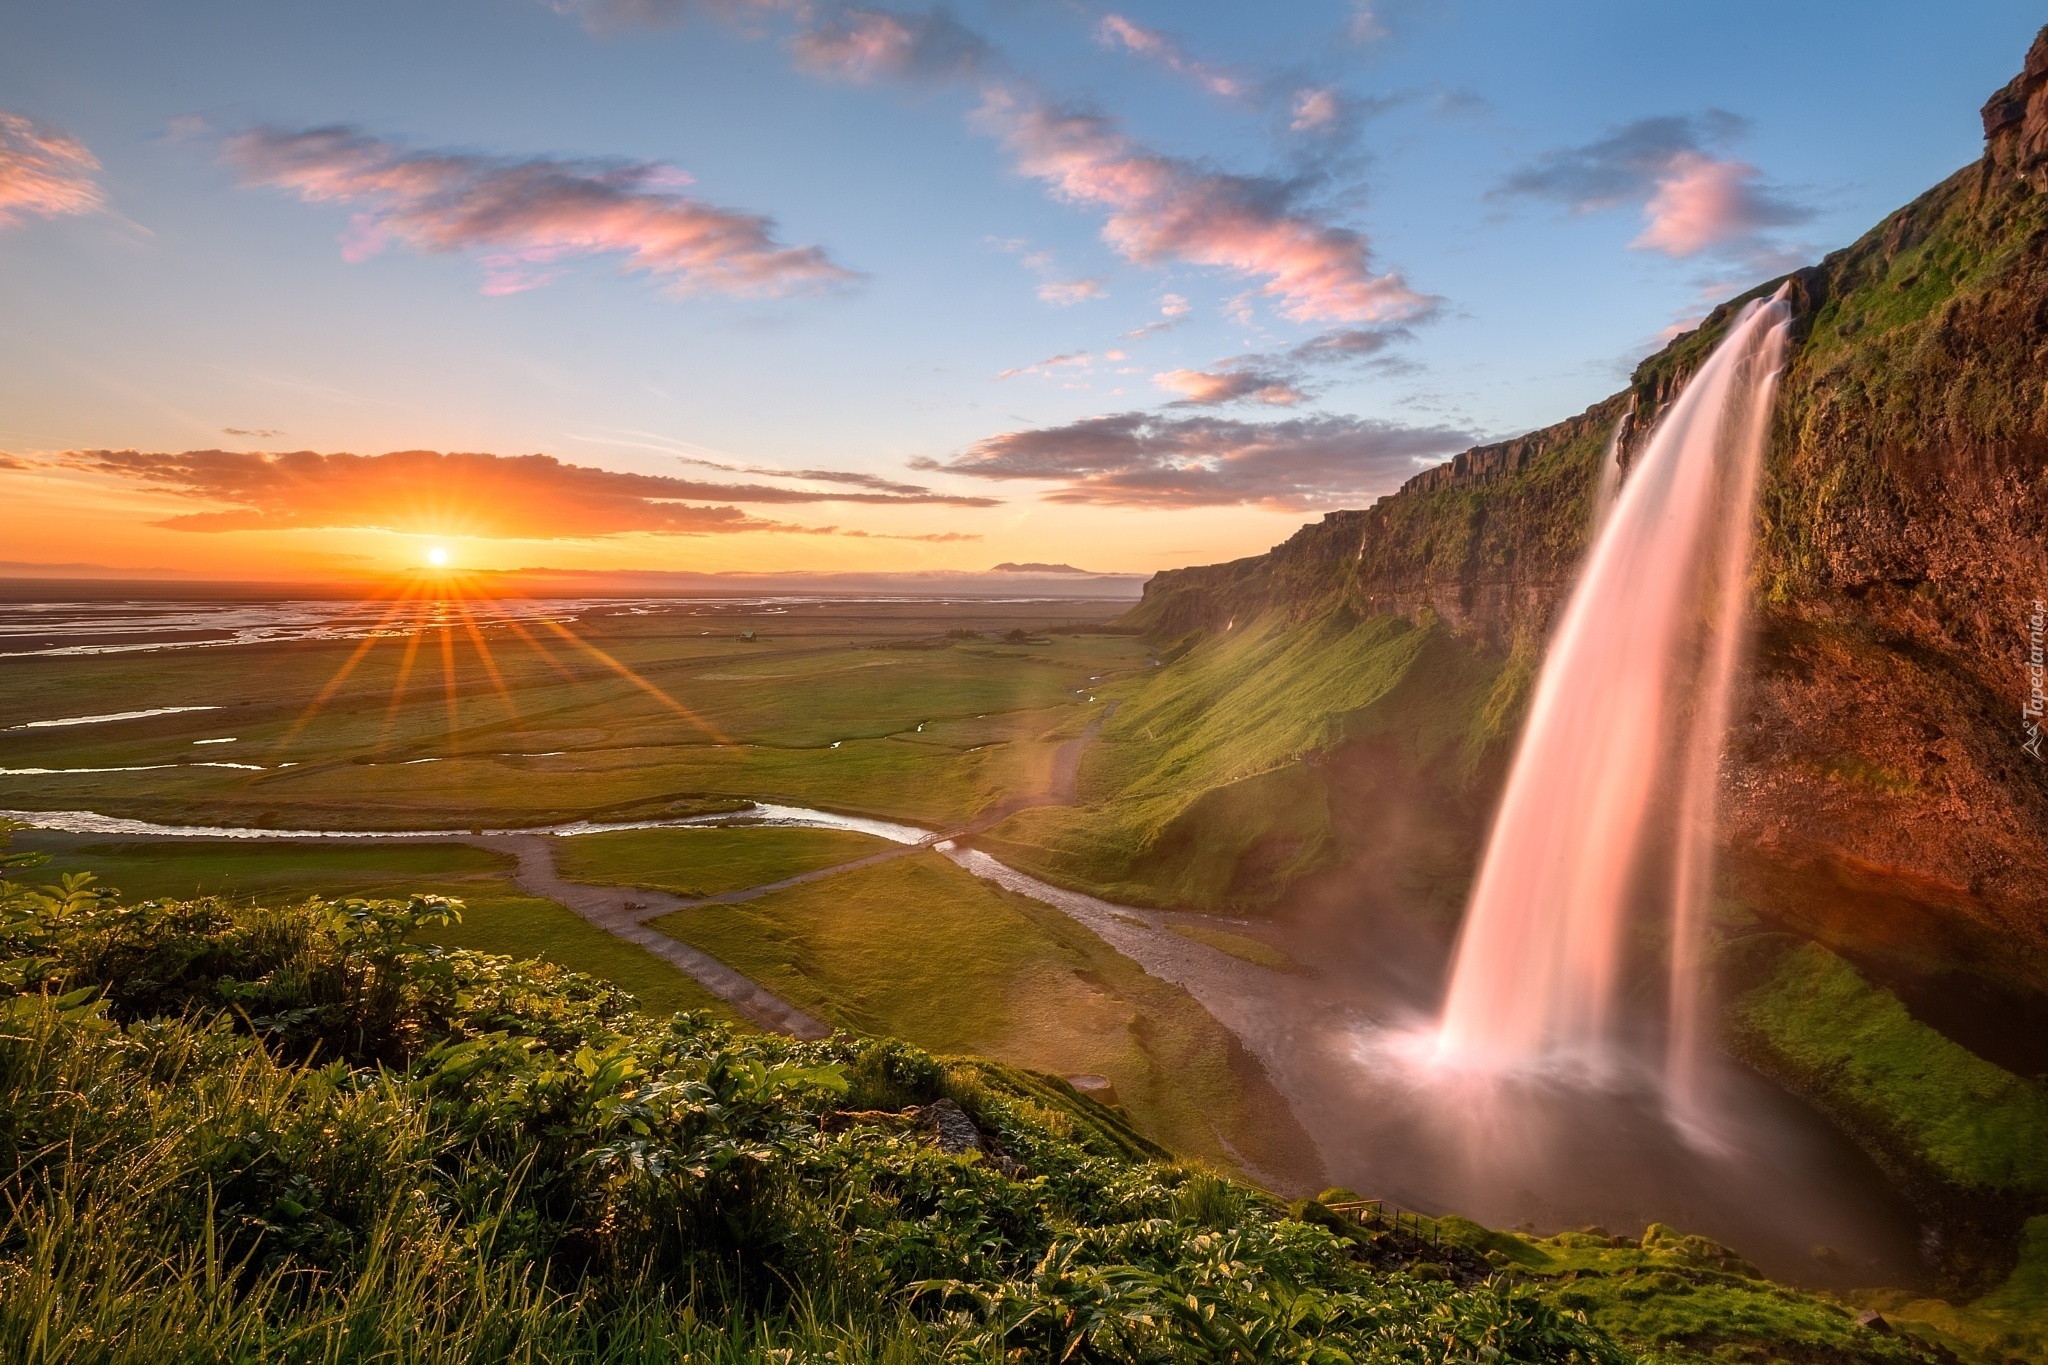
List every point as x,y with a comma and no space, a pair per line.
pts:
1205,789
487,1163
921,950
427,1250
709,861
1967,1139
1925,1103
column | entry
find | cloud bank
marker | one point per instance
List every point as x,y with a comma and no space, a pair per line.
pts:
1140,459
530,216
43,172
527,497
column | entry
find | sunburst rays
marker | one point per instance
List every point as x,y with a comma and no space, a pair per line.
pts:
447,609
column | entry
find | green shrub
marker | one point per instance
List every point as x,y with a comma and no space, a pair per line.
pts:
235,1133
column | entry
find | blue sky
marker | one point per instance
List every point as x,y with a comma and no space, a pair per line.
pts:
1475,185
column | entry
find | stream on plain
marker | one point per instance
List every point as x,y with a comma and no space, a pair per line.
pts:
1538,1153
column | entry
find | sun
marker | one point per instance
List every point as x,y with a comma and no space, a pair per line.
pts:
437,557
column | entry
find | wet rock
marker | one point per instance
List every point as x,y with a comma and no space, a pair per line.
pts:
1873,1320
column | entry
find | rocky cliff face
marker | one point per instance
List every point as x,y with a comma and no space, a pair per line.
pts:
1879,797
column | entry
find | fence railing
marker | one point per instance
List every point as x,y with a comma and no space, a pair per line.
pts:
1379,1213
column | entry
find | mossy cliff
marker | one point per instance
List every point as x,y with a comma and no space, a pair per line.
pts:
1880,799
1329,722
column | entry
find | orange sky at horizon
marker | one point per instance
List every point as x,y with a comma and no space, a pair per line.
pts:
65,516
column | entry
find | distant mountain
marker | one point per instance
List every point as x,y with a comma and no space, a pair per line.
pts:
1036,568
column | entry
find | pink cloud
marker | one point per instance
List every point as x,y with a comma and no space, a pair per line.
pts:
1117,31
864,45
1315,109
1702,202
1054,287
1065,293
1161,208
1070,360
1692,200
1277,380
43,172
531,216
1209,387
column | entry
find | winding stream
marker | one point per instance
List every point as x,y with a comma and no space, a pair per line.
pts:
1784,1188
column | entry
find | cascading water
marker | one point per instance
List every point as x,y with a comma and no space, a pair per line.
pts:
1620,756
1609,486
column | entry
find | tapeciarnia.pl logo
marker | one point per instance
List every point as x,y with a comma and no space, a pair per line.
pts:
2036,704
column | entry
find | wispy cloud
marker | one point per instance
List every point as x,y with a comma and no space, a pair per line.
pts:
1692,200
1066,293
1279,379
852,477
1140,459
1159,208
931,538
1116,31
1054,285
529,216
1162,208
1053,364
261,433
1173,310
1314,109
454,493
43,172
1230,384
864,45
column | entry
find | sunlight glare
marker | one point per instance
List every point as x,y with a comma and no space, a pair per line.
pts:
437,556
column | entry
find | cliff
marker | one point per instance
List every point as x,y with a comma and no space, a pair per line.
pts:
1879,797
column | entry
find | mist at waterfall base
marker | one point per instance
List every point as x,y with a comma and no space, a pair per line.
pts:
1569,1079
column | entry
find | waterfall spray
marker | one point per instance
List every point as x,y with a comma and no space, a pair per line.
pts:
1621,752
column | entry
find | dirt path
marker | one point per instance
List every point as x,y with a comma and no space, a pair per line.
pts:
624,911
621,911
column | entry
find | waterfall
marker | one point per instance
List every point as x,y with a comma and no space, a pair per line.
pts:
1610,469
1620,756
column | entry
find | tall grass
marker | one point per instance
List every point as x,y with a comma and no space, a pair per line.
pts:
237,1134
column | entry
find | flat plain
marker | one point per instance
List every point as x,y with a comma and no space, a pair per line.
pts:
938,714
625,711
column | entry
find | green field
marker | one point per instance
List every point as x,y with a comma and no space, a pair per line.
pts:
636,715
707,861
497,916
912,712
918,949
